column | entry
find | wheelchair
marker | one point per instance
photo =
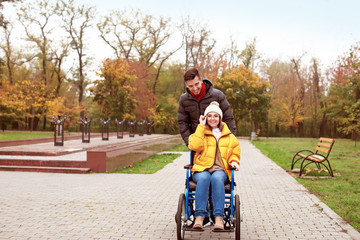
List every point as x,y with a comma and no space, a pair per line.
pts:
185,218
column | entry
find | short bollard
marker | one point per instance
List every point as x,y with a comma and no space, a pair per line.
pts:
141,126
105,128
132,128
58,129
120,128
148,127
85,130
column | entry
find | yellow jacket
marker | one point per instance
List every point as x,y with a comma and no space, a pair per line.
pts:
204,143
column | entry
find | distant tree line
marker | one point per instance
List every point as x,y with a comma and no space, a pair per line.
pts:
140,80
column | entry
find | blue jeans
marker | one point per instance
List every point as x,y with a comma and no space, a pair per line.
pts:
203,179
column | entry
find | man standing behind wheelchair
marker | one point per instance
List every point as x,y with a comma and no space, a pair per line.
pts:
199,94
217,150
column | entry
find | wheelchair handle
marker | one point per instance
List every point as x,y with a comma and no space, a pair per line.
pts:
232,168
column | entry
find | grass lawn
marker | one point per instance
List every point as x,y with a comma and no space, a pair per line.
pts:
154,162
150,165
179,148
341,193
4,136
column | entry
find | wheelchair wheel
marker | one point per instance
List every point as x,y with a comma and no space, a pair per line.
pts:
180,217
237,217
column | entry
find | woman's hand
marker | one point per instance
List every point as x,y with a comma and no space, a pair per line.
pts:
235,165
202,120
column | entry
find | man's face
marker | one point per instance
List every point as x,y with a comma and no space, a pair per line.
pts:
194,85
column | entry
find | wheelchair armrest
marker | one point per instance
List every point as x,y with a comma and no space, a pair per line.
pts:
188,166
232,168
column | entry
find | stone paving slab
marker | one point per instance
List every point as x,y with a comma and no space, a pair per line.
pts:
124,206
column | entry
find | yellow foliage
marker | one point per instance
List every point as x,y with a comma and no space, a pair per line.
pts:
65,106
114,92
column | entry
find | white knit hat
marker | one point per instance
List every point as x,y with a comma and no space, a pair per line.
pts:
214,107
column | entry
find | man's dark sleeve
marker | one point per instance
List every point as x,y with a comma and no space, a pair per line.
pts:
228,116
183,123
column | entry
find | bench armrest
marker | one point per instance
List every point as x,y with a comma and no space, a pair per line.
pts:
309,152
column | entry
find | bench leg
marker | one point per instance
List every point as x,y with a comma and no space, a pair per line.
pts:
294,161
302,167
329,168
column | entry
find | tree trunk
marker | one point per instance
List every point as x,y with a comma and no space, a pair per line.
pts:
35,123
44,126
15,125
301,129
292,131
252,120
323,126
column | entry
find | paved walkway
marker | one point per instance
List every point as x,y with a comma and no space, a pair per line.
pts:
120,206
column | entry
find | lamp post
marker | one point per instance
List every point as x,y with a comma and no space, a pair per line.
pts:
59,129
85,130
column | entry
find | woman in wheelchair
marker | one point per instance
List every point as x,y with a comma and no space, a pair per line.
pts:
217,149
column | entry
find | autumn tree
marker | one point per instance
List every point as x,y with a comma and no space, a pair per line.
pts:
344,94
8,50
314,102
33,93
246,92
10,108
286,103
65,105
2,20
36,19
23,101
114,91
249,55
59,56
76,21
143,94
198,43
134,35
168,94
300,97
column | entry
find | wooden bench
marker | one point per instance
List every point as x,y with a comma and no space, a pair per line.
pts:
320,156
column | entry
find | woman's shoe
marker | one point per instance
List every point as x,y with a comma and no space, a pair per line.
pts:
198,223
219,223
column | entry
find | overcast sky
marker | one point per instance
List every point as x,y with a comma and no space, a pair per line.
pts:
323,29
284,29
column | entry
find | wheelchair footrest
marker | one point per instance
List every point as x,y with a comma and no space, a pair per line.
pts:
189,228
226,229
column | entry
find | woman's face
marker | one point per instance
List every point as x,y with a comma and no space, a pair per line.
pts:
213,119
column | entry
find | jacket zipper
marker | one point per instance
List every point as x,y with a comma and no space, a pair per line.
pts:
217,147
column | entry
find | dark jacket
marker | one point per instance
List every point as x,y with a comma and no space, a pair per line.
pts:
190,110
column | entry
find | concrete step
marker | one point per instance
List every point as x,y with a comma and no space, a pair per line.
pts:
43,163
44,169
